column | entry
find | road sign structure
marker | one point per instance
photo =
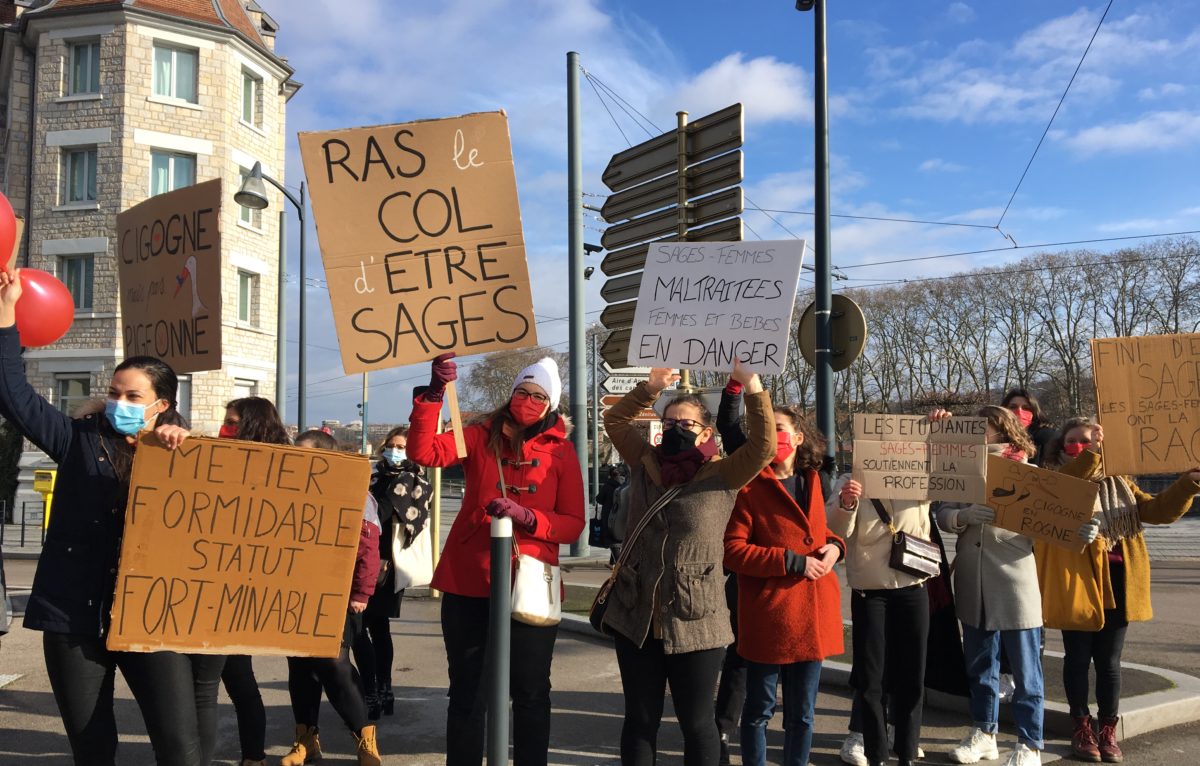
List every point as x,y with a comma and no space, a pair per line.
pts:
648,181
849,328
621,384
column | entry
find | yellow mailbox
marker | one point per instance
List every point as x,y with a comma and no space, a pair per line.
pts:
43,483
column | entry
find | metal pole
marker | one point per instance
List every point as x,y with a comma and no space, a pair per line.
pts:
595,418
365,444
302,373
281,321
823,270
578,338
681,208
498,642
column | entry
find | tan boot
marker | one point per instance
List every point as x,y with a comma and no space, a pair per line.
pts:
306,748
368,751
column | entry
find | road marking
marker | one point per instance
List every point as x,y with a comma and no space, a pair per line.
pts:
6,680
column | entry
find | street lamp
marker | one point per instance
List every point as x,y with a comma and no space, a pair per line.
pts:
253,195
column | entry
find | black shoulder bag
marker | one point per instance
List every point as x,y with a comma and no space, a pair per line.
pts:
910,554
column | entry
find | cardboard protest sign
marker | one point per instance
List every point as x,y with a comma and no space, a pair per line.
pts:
703,305
1040,504
421,238
169,268
236,547
1148,398
909,457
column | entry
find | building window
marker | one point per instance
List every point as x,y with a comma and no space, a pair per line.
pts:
79,175
175,72
84,72
73,390
183,397
243,388
251,99
170,171
247,298
248,215
77,272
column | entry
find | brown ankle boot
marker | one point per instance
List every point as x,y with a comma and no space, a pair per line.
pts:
1110,752
368,751
1083,740
306,748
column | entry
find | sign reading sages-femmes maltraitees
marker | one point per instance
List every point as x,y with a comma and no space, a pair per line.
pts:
421,238
704,305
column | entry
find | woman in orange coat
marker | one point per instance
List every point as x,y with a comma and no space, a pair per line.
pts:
789,602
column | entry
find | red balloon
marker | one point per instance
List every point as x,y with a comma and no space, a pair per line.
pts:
8,229
45,310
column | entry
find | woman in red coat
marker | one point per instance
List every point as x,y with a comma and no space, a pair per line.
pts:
789,603
523,445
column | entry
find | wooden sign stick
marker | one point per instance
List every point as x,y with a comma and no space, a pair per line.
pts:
460,444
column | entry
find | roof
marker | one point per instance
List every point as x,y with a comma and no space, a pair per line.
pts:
219,13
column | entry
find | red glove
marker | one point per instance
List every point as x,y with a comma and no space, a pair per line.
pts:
444,370
733,387
503,508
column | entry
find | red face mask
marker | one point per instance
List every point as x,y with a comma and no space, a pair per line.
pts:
228,432
526,411
1025,416
783,447
1074,450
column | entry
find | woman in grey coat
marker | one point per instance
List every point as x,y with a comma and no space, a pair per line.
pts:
998,601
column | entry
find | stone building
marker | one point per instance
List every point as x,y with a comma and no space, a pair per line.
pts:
105,103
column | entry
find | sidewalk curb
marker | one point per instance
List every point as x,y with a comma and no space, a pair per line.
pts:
1139,715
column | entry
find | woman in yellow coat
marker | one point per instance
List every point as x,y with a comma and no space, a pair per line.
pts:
1093,595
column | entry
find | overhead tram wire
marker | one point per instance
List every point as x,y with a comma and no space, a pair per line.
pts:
1063,98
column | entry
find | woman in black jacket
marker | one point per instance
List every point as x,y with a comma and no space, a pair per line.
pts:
1025,406
76,574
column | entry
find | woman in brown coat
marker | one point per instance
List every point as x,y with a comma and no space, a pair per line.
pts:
667,608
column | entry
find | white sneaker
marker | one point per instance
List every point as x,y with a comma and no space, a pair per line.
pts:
975,747
1008,687
1024,756
854,752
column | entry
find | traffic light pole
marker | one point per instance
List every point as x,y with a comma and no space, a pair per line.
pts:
821,235
578,338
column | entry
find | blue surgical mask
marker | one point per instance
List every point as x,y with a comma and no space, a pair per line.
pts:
126,417
394,455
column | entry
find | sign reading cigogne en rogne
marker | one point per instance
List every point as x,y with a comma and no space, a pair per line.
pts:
235,547
421,238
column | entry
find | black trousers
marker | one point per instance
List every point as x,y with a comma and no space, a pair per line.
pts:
1103,647
891,628
731,690
242,688
465,633
307,676
645,673
373,648
176,693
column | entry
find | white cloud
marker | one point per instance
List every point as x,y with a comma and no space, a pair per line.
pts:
1152,131
1136,224
961,13
771,90
937,165
1152,93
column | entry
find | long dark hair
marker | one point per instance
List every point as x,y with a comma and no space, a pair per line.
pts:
1039,420
317,439
166,387
811,452
258,420
1010,429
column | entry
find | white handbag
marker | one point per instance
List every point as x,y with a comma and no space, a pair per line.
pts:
536,592
414,564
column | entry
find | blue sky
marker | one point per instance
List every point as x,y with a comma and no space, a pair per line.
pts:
936,108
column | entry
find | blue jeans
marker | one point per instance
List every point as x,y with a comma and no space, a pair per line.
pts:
982,651
800,683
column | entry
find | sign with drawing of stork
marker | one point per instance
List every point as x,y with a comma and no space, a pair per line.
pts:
169,266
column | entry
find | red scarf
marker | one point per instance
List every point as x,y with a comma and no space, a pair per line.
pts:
678,469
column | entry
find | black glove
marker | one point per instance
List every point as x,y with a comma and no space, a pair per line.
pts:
794,562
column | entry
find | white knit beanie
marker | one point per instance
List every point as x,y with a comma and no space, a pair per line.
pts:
544,373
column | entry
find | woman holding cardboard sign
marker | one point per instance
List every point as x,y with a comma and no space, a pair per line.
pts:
1094,594
76,576
999,605
521,465
666,602
890,609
